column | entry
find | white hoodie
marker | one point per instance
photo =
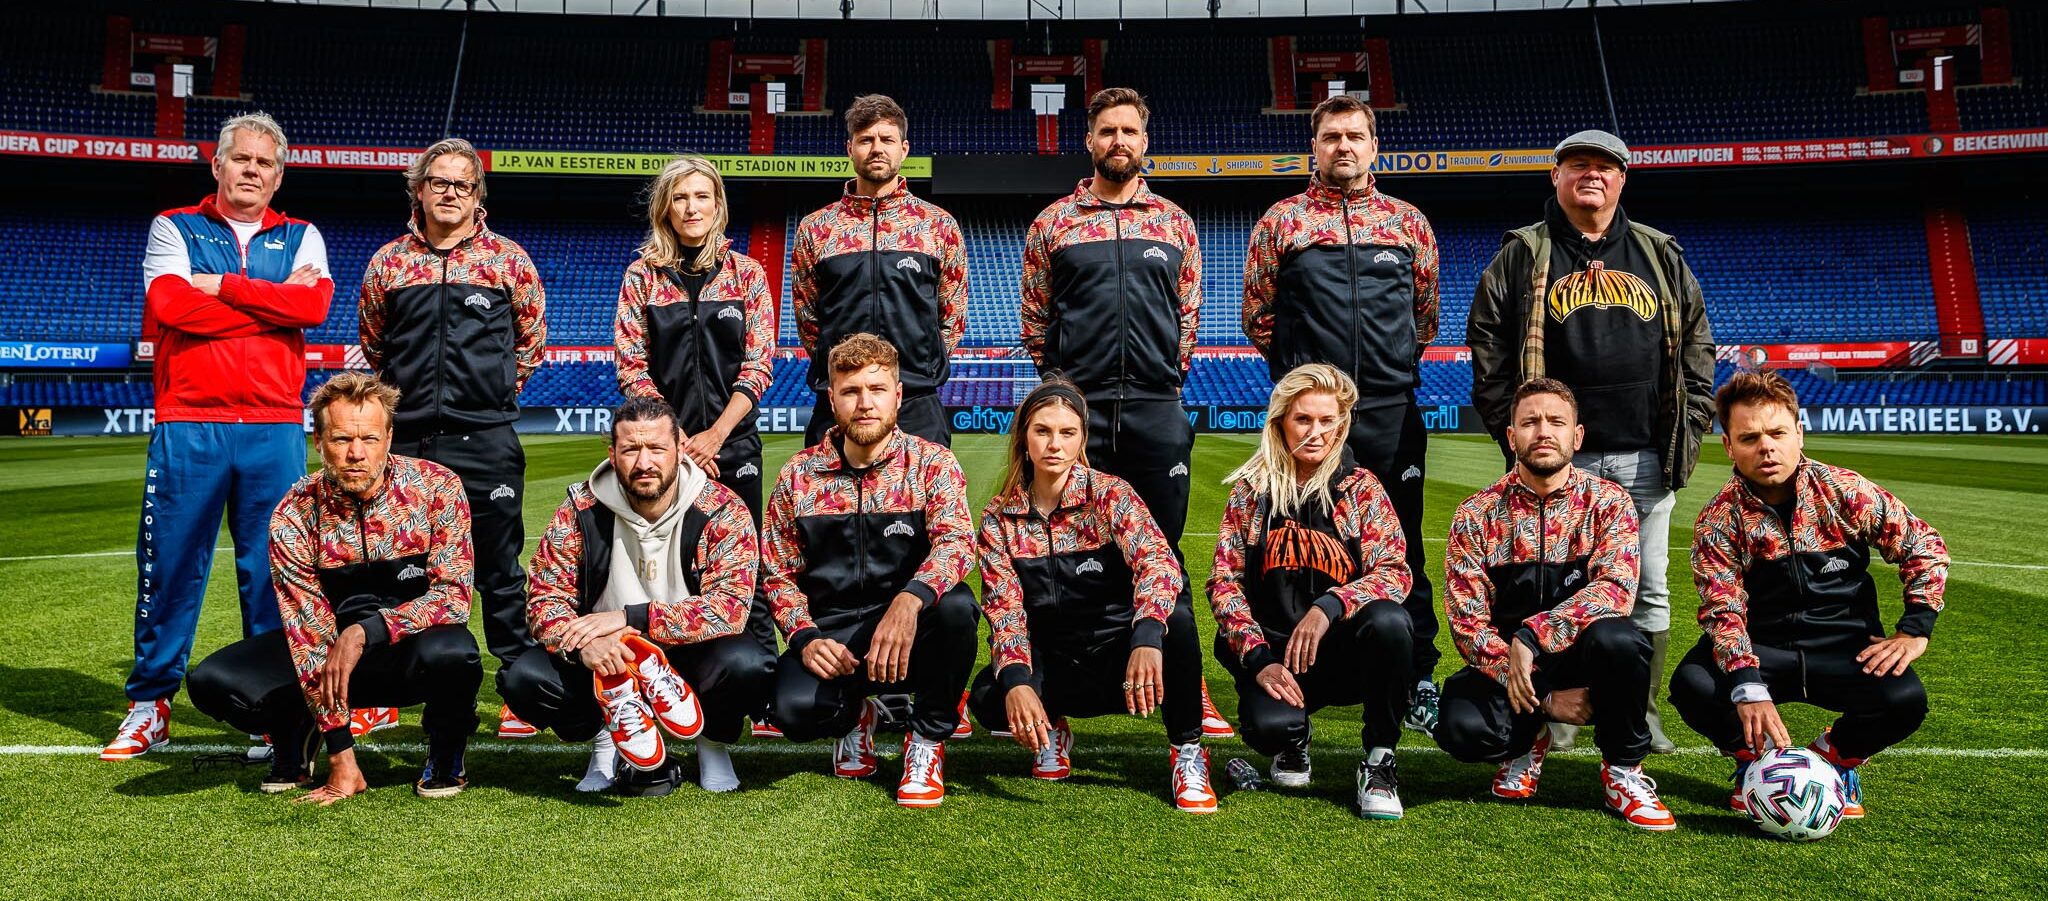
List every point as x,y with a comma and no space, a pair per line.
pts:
646,565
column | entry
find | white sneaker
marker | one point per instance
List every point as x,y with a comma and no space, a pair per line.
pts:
603,770
146,728
1054,761
631,724
675,705
1379,786
1632,794
924,772
1192,792
853,757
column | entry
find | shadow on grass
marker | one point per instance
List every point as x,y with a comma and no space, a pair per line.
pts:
62,697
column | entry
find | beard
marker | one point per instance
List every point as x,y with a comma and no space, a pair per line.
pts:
887,176
1115,171
666,481
869,435
1543,467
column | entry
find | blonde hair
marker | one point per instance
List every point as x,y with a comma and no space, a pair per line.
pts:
255,123
416,174
664,245
355,388
1270,471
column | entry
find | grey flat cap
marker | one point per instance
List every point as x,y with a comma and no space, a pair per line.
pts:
1597,141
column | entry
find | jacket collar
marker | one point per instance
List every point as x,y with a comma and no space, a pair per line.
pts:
1323,192
1144,198
210,208
864,205
1574,480
834,457
1807,468
1080,485
412,226
1564,232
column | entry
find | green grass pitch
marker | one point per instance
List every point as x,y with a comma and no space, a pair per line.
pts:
1954,812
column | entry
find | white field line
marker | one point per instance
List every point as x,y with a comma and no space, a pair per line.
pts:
975,748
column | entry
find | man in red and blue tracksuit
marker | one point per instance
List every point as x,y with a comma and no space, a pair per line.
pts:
231,287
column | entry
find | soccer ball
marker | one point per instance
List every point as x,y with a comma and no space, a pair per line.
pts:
1794,794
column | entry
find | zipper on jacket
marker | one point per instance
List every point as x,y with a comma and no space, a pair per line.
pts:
1542,550
1045,523
1351,269
1792,562
875,261
1123,310
860,532
441,339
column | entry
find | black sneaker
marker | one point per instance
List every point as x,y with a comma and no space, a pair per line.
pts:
291,765
441,779
1290,767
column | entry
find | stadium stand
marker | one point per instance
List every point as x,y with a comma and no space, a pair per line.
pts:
598,83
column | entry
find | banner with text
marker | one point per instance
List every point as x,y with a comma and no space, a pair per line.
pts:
555,162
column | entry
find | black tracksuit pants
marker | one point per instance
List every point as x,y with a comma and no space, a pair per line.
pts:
1388,439
1611,658
1877,711
492,467
1361,660
941,657
1148,444
731,676
252,686
739,468
1073,682
921,414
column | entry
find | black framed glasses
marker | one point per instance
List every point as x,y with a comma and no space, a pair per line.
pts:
440,185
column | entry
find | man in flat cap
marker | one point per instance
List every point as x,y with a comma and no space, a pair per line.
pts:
1607,306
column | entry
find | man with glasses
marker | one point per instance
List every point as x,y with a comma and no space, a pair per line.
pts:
453,316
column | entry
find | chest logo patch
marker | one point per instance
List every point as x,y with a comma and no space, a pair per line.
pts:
1835,565
1155,253
1088,566
1292,547
1598,286
729,313
503,491
898,528
910,264
411,572
477,300
747,470
1385,256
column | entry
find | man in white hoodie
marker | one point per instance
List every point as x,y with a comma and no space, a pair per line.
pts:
649,549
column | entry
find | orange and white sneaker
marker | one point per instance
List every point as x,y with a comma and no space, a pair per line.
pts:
365,720
675,705
765,729
146,728
1633,794
965,728
510,726
1192,792
924,772
1517,778
1213,723
1852,784
1054,762
630,722
853,757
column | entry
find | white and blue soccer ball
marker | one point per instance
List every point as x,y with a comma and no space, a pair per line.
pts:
1794,794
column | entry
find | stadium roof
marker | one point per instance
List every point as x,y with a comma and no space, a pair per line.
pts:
970,10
